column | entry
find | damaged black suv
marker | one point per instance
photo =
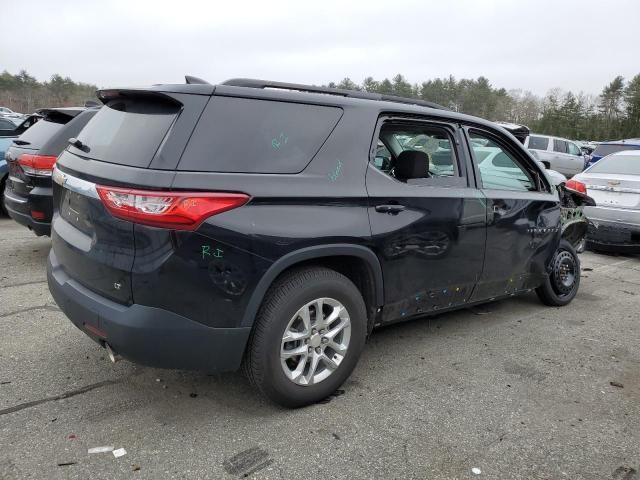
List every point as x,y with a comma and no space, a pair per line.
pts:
274,225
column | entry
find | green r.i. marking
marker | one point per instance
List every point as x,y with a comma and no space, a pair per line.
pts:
207,252
280,140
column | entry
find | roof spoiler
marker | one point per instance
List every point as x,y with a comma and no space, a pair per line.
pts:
190,80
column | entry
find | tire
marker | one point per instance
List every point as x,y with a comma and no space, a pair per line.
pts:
299,291
3,210
560,287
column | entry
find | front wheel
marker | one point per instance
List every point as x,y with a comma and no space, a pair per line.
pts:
561,286
308,337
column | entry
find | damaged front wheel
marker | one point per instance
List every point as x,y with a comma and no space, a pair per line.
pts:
561,285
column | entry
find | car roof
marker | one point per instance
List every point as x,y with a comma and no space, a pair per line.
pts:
628,141
552,136
269,90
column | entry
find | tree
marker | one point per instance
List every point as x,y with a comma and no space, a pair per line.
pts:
24,93
610,105
632,99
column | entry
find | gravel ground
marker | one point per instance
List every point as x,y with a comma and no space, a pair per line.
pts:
509,390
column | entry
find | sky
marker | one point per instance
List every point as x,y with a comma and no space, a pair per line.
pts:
529,45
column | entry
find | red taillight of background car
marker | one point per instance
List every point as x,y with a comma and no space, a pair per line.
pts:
174,210
576,186
37,165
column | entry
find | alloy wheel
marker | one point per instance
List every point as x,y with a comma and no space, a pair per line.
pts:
315,341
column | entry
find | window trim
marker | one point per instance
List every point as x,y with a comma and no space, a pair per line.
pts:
460,180
542,186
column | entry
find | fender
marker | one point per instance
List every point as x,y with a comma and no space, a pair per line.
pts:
310,253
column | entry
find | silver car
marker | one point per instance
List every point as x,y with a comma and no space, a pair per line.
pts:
614,183
559,154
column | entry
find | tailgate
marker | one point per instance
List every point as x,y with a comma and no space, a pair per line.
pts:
121,146
94,248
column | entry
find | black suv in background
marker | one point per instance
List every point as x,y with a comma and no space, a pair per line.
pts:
275,225
31,158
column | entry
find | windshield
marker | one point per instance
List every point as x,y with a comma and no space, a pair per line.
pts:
618,164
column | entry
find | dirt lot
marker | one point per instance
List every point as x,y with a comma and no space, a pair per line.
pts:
514,389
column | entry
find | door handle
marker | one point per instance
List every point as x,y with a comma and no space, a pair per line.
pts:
390,208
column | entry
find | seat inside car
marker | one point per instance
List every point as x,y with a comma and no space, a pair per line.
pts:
412,164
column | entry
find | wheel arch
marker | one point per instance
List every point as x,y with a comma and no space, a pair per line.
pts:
324,255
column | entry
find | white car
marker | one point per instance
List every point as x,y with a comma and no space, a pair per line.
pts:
614,183
495,159
560,154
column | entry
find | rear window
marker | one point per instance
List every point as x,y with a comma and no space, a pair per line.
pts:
604,150
257,136
59,141
618,164
538,143
43,130
128,130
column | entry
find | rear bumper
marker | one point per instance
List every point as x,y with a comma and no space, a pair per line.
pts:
19,209
146,335
614,236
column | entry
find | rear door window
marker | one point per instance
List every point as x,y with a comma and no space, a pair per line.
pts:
257,136
560,146
538,143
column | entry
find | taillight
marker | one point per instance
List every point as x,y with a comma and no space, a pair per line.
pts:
174,210
576,185
37,165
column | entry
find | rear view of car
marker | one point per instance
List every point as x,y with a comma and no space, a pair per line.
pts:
31,158
607,148
614,184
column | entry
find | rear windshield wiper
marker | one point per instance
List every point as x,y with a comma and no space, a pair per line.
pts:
78,144
21,142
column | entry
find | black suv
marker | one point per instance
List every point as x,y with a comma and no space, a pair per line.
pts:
274,225
31,158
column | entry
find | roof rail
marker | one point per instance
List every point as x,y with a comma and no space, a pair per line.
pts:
253,83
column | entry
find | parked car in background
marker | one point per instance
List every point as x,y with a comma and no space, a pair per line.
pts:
30,159
522,132
205,227
562,155
10,129
7,112
607,148
614,183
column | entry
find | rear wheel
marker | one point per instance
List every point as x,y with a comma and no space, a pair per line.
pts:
561,286
3,184
308,336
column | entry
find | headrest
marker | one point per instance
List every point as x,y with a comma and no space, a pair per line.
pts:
412,164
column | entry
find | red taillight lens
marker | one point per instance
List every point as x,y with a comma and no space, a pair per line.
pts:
576,185
37,165
175,210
